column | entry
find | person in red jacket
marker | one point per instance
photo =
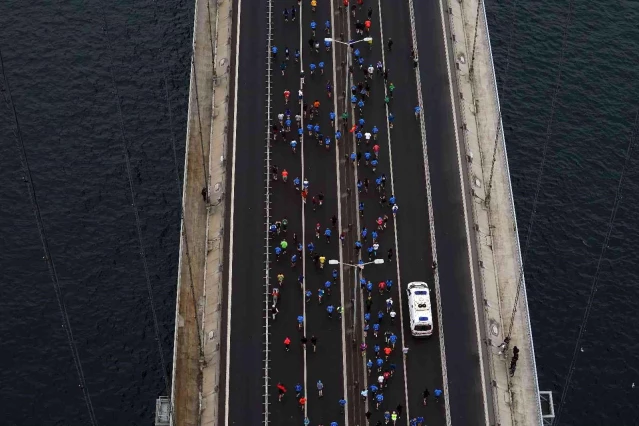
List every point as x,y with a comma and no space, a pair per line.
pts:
287,344
281,390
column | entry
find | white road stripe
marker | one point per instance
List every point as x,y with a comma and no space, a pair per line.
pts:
442,346
356,192
470,253
232,220
392,181
306,393
339,215
267,207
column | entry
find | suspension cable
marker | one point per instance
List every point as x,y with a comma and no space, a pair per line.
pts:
498,124
178,183
542,164
595,280
471,69
66,322
134,206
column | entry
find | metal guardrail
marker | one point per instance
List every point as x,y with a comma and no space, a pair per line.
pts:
176,334
422,128
512,209
502,138
220,185
216,243
267,214
491,364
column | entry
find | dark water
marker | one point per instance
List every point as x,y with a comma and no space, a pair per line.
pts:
592,125
57,64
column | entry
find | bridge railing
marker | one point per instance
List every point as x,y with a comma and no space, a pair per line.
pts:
482,20
502,140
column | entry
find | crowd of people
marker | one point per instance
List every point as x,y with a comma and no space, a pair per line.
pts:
299,124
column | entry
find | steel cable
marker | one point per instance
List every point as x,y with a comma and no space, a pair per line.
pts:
66,322
595,280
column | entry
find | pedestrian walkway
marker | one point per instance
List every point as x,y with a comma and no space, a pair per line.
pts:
213,270
515,398
196,365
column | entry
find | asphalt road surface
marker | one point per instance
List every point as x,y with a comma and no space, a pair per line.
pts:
338,361
461,342
242,404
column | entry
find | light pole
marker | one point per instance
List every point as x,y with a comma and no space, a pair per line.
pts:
347,43
360,266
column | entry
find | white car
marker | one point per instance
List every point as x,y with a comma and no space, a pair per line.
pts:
419,309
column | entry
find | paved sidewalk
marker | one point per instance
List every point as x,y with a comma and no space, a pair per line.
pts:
515,399
196,359
212,322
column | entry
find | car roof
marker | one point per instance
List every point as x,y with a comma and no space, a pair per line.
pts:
417,284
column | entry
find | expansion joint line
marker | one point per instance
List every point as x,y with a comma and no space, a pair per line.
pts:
267,212
431,217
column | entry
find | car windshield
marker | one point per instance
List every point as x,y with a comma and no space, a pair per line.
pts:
425,327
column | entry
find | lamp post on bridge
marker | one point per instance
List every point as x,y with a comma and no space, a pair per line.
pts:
348,43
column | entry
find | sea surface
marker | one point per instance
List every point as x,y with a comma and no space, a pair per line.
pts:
591,125
58,57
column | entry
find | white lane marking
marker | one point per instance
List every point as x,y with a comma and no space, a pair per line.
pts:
303,218
399,280
442,345
431,217
356,192
339,215
232,221
267,206
470,254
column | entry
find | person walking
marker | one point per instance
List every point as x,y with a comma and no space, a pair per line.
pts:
364,394
281,390
437,393
342,404
327,234
330,309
